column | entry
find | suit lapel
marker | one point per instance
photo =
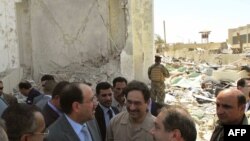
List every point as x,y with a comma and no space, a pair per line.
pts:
50,115
116,111
68,130
94,130
99,114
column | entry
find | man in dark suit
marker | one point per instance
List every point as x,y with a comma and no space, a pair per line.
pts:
78,104
104,110
52,110
244,86
27,90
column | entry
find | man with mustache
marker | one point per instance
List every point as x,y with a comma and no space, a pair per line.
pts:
104,110
135,123
230,107
119,101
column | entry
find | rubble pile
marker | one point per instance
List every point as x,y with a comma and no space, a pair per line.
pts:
194,86
204,114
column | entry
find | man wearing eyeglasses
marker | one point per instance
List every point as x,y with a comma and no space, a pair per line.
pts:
76,124
244,86
24,123
137,121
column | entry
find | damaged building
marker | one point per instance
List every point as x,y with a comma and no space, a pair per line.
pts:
91,40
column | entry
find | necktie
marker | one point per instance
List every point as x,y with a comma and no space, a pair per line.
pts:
110,114
86,134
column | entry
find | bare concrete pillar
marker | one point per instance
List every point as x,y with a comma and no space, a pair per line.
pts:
139,41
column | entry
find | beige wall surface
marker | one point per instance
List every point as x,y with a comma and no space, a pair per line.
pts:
8,36
92,40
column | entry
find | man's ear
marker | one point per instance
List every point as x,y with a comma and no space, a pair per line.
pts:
24,137
176,133
242,107
75,106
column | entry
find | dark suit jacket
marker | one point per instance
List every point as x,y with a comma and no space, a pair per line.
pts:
49,115
154,109
9,99
61,130
3,106
32,94
99,115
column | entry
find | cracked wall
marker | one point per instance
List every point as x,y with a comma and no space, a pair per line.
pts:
91,40
10,71
8,37
134,20
65,33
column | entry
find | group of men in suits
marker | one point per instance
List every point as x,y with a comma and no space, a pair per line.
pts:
75,113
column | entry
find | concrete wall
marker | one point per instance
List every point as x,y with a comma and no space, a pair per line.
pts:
76,40
205,56
24,37
65,32
208,46
10,73
241,30
92,39
8,36
142,37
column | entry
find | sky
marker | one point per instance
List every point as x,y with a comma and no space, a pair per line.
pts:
184,19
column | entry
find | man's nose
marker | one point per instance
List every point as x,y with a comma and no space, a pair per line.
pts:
132,106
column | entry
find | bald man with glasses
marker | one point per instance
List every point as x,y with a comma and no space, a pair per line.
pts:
24,122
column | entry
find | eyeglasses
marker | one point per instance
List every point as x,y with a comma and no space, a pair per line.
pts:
44,133
92,100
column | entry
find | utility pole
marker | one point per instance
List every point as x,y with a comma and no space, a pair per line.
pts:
164,32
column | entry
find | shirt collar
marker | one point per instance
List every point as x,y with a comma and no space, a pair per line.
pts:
105,109
54,108
76,126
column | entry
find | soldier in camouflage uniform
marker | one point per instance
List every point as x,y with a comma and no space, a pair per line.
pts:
157,74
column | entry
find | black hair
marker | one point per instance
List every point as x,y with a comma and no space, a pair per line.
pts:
102,86
71,93
24,85
119,79
20,119
177,117
139,86
47,77
59,88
